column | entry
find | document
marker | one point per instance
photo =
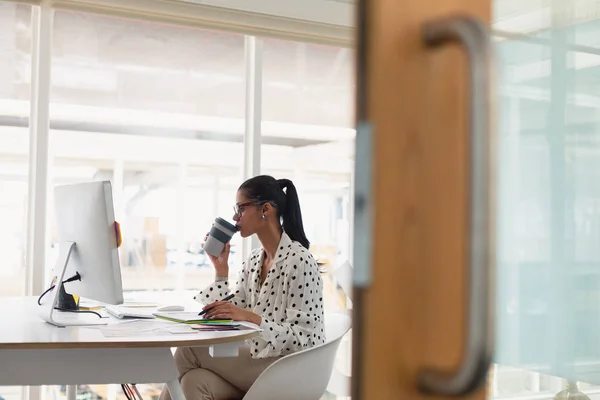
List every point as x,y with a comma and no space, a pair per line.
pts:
136,328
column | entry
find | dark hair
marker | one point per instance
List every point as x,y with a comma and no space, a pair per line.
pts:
282,194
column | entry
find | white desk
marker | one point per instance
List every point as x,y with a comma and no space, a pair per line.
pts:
33,352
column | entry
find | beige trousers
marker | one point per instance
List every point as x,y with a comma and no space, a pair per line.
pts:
203,377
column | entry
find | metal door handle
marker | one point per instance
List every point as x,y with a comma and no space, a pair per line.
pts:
473,35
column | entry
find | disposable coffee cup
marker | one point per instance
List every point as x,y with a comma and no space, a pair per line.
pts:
220,233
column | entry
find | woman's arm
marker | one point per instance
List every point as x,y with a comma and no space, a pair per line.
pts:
218,290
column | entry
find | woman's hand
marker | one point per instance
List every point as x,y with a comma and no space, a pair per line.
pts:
227,310
221,263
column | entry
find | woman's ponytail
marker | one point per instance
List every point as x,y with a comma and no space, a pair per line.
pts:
291,213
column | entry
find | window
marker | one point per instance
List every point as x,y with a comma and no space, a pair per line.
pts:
307,84
15,58
308,113
15,69
307,137
548,208
159,111
115,66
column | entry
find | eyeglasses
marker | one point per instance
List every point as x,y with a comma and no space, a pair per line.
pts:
239,208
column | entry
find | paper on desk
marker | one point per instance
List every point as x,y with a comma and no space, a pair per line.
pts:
180,329
250,325
139,327
154,327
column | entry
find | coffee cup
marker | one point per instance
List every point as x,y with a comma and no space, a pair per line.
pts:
220,233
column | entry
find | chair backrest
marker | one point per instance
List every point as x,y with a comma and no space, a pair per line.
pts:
303,375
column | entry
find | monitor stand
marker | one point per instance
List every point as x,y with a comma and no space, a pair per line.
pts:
60,318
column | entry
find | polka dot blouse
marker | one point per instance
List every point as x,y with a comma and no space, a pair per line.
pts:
290,301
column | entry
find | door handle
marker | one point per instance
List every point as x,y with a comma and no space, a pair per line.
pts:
478,348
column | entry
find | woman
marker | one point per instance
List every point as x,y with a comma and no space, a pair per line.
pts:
279,288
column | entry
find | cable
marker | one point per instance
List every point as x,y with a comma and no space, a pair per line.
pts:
75,277
139,395
130,391
78,311
125,391
43,294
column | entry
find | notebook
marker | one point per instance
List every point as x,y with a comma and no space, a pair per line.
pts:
216,328
238,325
193,318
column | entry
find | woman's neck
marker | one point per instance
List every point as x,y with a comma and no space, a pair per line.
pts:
270,238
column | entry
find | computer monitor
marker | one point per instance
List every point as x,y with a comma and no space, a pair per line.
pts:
88,246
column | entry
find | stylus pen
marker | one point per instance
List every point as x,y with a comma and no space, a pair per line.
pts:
231,296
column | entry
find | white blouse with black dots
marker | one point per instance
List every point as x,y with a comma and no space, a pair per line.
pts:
290,300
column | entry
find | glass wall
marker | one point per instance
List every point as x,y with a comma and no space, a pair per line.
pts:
308,84
132,104
307,136
159,111
549,198
15,88
308,93
15,69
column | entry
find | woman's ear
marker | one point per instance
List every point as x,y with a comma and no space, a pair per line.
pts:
266,208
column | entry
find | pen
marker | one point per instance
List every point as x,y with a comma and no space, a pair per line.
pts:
231,296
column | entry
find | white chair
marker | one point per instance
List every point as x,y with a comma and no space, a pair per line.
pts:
340,382
303,375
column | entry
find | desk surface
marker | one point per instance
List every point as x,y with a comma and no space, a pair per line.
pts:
22,328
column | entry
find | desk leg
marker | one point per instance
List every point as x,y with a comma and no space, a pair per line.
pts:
71,392
174,390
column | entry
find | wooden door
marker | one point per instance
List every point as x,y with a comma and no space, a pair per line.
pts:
413,188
